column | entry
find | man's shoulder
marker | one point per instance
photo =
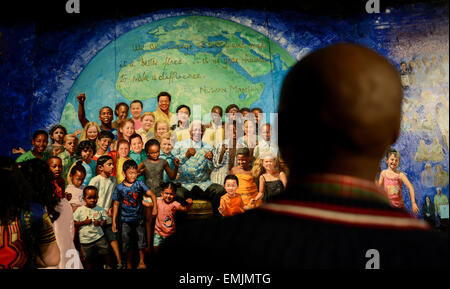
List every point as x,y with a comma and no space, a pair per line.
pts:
282,241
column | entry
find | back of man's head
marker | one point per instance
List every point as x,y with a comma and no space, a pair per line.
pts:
344,101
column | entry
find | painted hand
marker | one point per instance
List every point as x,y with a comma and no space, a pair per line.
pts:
81,98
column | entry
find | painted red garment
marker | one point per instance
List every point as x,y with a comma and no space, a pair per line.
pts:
393,189
60,186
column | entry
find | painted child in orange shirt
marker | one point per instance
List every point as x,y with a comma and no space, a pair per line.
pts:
231,203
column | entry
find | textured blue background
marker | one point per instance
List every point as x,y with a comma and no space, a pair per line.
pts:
38,70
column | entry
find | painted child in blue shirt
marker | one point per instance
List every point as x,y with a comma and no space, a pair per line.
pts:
166,148
86,150
131,195
137,152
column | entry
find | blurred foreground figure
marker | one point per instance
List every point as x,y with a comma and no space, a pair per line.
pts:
347,99
27,240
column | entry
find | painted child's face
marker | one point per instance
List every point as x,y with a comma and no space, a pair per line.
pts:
40,143
249,127
106,115
392,162
131,175
127,130
86,154
231,131
257,113
123,150
136,144
90,198
168,195
231,187
58,135
166,146
148,122
104,143
242,161
55,166
164,103
77,178
183,115
70,144
244,113
268,164
108,167
92,133
136,110
233,113
161,129
153,152
216,115
266,132
122,112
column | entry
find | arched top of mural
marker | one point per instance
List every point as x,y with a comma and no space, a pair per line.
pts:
198,59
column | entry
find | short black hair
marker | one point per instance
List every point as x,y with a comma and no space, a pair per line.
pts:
104,108
245,109
105,134
231,177
78,167
243,151
135,135
119,105
89,188
231,106
217,106
151,142
164,93
183,106
257,108
129,164
86,144
169,185
39,132
54,128
137,101
103,159
53,157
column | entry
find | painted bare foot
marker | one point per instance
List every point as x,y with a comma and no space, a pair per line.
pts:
142,266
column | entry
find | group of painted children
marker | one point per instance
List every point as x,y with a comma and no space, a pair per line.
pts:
116,178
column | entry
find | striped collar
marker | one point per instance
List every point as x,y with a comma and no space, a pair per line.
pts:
342,186
346,188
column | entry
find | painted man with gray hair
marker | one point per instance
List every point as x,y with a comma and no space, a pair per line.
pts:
195,167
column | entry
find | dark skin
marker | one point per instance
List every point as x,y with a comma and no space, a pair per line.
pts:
39,144
196,135
153,156
105,115
90,198
355,111
224,148
243,165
